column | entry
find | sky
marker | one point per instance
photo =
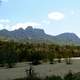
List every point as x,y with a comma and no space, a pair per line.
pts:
54,16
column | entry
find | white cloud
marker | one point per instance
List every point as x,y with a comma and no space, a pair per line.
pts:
5,26
4,20
10,27
56,16
24,25
1,26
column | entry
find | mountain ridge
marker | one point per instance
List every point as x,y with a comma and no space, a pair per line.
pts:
38,35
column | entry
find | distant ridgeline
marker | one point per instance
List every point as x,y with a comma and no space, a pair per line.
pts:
35,35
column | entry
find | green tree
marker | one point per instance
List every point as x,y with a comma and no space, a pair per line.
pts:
10,55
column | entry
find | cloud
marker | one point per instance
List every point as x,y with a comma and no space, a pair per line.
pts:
1,26
56,16
6,24
25,25
4,21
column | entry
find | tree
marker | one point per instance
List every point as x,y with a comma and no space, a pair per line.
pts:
51,54
1,59
10,55
36,57
51,58
11,59
68,56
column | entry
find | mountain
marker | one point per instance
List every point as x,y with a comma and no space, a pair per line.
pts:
29,34
68,38
38,35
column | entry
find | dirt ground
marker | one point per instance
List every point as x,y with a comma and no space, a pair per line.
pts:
41,70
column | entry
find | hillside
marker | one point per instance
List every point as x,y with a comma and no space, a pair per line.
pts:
38,35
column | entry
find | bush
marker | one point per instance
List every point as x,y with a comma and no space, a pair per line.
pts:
69,76
53,78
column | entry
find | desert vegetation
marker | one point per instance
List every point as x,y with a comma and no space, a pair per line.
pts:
13,52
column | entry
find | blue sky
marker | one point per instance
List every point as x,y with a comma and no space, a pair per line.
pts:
54,16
